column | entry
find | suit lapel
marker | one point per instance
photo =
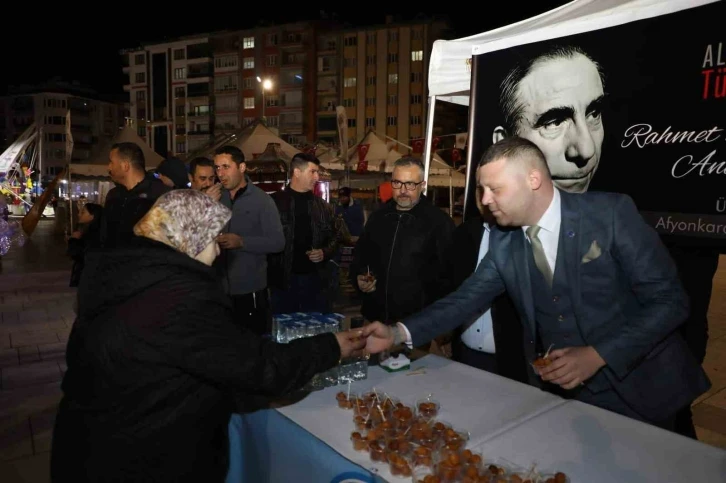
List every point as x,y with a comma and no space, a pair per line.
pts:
521,273
570,244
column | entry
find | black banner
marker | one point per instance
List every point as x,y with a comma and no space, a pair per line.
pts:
638,108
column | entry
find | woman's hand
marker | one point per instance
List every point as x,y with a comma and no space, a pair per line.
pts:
351,343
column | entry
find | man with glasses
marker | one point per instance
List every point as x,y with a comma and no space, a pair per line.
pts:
400,259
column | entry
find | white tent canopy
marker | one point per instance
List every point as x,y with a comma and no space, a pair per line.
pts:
381,157
97,165
450,65
254,140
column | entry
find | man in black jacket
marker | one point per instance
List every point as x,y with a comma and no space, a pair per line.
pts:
135,193
492,340
301,276
404,247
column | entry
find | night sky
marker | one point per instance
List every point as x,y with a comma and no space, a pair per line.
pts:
82,44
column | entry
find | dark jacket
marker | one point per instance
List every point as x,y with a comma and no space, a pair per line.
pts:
155,365
353,216
407,252
326,236
508,333
78,247
124,208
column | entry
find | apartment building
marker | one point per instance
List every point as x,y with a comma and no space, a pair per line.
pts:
93,119
380,75
266,73
170,93
185,92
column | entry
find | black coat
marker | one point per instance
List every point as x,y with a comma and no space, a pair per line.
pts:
123,208
407,252
155,365
508,333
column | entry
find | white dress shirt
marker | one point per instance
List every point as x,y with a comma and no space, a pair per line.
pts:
549,235
479,335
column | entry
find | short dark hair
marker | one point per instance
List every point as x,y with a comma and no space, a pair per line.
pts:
406,161
234,152
132,153
514,148
300,161
199,161
509,104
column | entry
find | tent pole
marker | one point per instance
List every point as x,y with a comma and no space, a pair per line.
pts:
429,139
470,140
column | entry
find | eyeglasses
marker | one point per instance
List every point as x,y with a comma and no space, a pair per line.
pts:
410,185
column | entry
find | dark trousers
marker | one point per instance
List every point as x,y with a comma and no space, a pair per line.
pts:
470,357
252,311
307,293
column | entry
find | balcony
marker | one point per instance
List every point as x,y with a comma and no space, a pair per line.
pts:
180,131
197,132
198,90
327,45
225,89
327,85
199,51
225,127
199,114
294,39
294,60
196,71
22,105
296,128
327,106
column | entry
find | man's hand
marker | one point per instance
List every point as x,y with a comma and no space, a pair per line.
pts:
230,240
316,255
571,366
76,234
366,284
352,343
380,337
214,191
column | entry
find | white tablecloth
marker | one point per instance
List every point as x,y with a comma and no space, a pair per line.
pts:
473,400
596,446
522,425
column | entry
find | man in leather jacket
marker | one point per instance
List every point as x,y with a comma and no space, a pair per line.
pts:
300,277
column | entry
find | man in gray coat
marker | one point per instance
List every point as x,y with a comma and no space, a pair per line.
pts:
253,232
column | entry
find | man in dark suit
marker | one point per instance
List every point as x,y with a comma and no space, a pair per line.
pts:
492,340
587,276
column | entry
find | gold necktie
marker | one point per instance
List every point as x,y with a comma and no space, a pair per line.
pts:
539,255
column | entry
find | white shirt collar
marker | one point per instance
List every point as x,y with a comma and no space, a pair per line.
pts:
550,220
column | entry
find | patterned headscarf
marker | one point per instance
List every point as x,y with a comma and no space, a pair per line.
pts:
185,219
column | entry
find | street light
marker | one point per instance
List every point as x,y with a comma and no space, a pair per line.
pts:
266,86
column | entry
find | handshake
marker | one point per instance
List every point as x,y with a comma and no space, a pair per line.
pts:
369,339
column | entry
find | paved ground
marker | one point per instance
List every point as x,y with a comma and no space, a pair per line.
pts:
36,317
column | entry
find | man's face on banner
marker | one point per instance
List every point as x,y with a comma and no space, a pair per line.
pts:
560,103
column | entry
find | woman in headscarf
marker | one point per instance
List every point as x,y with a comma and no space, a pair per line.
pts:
155,362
